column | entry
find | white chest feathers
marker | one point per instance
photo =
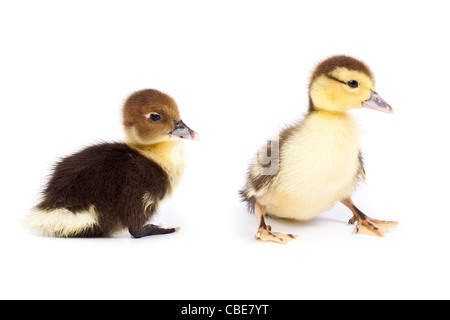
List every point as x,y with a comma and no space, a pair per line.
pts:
318,166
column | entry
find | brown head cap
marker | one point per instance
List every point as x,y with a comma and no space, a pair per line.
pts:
149,116
330,64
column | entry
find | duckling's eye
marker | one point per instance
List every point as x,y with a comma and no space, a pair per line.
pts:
155,117
353,84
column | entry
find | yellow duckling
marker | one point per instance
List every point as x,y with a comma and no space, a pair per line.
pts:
317,162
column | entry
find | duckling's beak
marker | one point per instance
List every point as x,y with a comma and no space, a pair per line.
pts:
182,131
377,103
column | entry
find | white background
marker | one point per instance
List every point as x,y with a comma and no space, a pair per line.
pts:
239,71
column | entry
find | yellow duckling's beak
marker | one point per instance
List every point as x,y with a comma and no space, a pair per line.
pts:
377,103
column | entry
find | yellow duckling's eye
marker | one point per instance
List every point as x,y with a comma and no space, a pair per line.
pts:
353,84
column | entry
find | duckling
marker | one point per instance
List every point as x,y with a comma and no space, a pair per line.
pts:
109,187
317,162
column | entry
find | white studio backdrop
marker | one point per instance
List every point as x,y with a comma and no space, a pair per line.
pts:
239,71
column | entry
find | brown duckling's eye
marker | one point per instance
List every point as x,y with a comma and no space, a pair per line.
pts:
353,84
155,117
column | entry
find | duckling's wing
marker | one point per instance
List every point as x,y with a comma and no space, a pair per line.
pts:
265,167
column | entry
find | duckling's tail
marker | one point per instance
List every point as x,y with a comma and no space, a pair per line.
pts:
249,199
61,222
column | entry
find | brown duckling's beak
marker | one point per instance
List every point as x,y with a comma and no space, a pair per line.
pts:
377,103
182,131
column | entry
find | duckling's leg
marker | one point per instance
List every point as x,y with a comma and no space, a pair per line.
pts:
366,225
265,232
149,230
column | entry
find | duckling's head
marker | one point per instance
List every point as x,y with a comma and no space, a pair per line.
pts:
341,83
150,116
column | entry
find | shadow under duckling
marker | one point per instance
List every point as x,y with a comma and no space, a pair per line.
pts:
317,162
109,187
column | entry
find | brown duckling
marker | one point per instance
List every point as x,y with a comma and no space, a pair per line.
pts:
109,187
